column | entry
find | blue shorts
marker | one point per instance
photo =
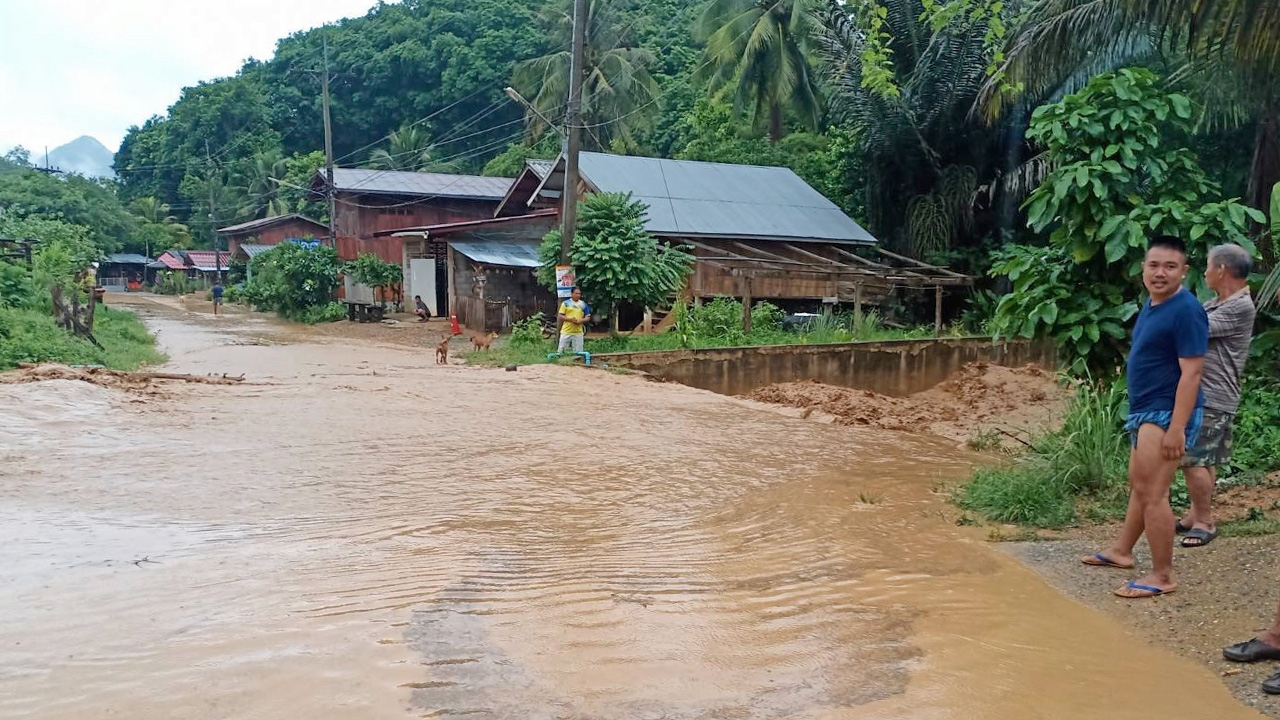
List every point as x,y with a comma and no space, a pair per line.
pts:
1161,419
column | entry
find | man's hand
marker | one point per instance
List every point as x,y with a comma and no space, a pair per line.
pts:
1174,443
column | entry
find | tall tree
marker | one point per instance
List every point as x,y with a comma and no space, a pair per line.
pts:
255,181
618,91
928,162
408,148
1235,37
759,47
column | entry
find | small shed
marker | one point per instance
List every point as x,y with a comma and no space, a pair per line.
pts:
273,231
120,272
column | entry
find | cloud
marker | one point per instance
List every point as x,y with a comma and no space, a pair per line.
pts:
117,63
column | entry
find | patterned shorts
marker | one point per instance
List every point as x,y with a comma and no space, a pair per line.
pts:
1213,447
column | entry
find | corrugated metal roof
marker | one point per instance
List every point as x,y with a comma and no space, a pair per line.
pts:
171,261
127,259
506,254
394,182
541,168
269,222
255,250
204,260
719,200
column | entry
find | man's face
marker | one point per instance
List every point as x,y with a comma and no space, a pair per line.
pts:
1163,271
577,294
1214,275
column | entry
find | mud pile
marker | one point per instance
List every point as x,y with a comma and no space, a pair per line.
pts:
104,377
974,405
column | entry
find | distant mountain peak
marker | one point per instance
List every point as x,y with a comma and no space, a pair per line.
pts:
84,155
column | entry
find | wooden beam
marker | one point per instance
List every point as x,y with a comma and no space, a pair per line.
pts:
937,313
802,251
919,264
746,304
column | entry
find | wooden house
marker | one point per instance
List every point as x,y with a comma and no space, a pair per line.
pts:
370,202
273,231
756,232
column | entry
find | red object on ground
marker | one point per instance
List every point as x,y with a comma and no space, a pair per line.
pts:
453,324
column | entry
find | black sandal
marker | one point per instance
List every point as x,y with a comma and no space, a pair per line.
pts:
1202,538
1271,685
1253,651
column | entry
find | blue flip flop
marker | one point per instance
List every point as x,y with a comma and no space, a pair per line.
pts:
1100,560
1150,590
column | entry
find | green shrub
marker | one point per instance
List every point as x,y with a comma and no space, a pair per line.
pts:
528,331
1256,434
30,336
290,278
329,312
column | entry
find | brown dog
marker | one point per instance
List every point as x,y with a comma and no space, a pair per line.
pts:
482,342
442,351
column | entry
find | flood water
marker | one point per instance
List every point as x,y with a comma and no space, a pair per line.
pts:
360,533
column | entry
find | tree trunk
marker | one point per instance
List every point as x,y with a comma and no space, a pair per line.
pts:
1265,171
775,122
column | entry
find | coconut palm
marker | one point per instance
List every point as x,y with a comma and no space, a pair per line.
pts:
408,148
1231,46
157,227
760,48
256,183
618,91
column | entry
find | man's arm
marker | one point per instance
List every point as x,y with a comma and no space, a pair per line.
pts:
1184,403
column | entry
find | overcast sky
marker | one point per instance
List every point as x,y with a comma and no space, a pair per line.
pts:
94,67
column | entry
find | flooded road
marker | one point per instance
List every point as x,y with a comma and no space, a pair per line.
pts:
360,533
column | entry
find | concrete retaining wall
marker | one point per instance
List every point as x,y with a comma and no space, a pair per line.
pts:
897,367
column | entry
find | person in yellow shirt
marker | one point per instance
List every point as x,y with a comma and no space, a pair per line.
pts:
574,314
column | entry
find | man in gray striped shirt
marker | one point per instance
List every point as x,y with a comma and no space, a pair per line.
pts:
1231,313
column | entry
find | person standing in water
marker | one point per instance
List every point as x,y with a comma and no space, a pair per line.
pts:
1164,368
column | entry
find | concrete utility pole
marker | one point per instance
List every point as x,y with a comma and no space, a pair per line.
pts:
328,151
573,129
213,221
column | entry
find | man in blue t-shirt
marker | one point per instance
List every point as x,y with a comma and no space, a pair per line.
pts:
1170,340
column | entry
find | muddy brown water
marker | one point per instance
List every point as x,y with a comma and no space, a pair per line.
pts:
363,534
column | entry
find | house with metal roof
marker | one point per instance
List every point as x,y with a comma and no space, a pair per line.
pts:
273,231
120,272
757,232
369,202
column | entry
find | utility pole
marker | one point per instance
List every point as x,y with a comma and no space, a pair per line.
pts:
573,129
328,151
213,221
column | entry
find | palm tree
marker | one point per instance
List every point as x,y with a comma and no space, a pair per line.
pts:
157,227
618,92
1235,42
256,180
927,159
759,46
408,148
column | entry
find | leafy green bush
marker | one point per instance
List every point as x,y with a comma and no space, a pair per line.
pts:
615,259
1256,434
1116,181
329,312
371,270
29,335
173,282
16,288
528,331
290,278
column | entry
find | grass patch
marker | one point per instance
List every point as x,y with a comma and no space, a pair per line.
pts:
29,335
1079,469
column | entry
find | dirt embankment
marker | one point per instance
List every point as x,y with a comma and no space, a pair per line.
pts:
982,404
105,377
